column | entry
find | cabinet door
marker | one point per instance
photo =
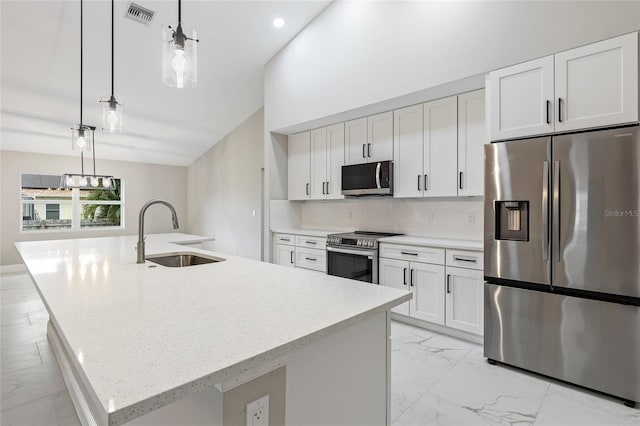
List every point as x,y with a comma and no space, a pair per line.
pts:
335,157
597,85
427,284
284,255
465,304
395,273
355,141
318,163
441,147
407,150
380,137
299,166
521,99
472,137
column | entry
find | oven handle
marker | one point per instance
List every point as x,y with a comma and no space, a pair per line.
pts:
368,253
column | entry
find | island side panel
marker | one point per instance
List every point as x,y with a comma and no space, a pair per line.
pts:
341,379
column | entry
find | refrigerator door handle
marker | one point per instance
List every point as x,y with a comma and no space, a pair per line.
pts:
555,232
545,211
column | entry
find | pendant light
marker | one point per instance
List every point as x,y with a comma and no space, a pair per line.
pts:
81,135
111,108
179,55
82,138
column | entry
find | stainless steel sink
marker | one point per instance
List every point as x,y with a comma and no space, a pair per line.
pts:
180,260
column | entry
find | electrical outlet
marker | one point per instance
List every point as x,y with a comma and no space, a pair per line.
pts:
350,215
471,218
258,412
429,217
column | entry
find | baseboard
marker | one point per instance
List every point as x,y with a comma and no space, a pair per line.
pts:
474,338
6,269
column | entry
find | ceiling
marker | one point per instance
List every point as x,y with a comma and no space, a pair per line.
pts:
40,74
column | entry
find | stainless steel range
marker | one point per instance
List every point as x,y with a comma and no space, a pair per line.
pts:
354,255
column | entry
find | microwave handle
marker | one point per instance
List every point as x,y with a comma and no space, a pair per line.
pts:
378,175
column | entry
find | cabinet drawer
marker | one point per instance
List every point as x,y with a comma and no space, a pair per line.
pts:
413,253
465,259
311,259
286,239
311,242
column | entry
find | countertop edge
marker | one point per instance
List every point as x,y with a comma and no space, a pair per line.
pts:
133,411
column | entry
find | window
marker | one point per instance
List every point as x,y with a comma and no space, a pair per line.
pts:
47,206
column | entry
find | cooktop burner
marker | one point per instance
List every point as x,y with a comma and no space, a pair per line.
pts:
360,239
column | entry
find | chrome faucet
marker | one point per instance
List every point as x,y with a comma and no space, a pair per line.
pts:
140,245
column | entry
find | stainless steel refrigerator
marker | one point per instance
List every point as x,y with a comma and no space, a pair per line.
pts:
562,258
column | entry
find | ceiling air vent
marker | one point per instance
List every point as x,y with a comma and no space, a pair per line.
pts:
139,13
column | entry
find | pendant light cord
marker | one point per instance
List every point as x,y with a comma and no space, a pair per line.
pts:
112,26
179,12
81,65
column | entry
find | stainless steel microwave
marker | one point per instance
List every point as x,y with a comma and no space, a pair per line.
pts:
368,179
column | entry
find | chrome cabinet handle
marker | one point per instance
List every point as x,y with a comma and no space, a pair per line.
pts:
285,239
404,276
426,182
555,233
449,283
307,188
559,110
324,192
292,261
408,253
545,211
378,175
312,259
419,189
311,242
460,184
368,150
363,156
328,188
462,259
411,278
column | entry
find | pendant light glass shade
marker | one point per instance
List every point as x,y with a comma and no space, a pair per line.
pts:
112,112
82,138
179,57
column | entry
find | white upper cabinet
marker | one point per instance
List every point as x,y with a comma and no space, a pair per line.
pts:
521,99
425,149
441,147
590,86
318,163
408,171
369,139
472,136
355,141
380,137
335,161
597,85
300,166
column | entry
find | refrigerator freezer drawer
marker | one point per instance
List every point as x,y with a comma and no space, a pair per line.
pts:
587,342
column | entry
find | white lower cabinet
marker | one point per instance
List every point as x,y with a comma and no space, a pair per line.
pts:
424,280
311,259
444,295
285,255
465,299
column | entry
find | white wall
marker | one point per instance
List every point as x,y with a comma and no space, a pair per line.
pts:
142,182
224,190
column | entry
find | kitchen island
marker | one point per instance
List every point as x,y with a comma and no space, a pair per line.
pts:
148,344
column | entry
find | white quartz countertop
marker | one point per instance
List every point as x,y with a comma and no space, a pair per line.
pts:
301,231
145,335
446,243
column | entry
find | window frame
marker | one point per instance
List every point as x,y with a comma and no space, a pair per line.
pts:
76,211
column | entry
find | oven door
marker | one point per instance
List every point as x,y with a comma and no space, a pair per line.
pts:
355,264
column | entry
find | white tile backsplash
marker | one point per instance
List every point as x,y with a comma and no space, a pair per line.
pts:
440,218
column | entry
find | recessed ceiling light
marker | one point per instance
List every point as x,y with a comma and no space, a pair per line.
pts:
278,22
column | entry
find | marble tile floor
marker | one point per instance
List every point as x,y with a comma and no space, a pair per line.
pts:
436,379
